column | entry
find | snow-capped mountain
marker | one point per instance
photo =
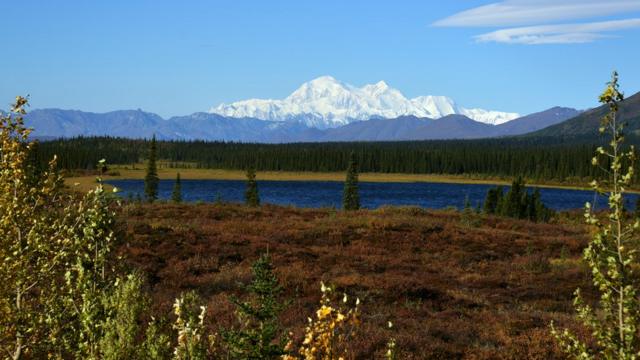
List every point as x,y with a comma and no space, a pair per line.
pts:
326,103
55,123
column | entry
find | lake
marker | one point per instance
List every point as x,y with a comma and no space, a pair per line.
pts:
317,194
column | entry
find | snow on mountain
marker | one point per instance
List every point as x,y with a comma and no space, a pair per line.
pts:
326,102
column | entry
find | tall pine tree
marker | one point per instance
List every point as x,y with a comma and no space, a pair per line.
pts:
151,179
351,196
176,195
251,196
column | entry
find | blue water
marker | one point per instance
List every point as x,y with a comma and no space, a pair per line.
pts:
316,194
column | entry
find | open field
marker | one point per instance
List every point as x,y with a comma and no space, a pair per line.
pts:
138,172
454,289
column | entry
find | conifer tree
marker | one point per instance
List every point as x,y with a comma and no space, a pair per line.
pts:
176,195
517,203
612,254
351,196
151,179
251,196
515,200
491,201
260,336
540,211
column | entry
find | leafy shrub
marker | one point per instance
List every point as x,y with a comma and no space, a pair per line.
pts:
611,254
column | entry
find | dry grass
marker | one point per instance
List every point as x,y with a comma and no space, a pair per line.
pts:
452,291
137,171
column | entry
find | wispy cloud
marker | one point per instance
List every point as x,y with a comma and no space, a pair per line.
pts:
557,34
540,13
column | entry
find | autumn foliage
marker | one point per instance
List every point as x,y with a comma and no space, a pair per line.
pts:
451,291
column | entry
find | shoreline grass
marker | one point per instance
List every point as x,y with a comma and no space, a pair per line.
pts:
137,172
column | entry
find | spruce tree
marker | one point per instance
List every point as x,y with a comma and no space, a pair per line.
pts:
176,195
351,196
517,203
515,199
491,201
251,196
151,179
260,336
540,212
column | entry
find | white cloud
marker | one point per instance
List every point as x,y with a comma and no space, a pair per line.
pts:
557,34
530,12
540,16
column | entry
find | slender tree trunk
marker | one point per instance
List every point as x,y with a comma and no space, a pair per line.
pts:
618,239
19,341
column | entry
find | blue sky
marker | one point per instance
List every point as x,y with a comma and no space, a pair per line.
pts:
179,57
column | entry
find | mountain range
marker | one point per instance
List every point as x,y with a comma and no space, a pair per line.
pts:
55,123
327,110
326,102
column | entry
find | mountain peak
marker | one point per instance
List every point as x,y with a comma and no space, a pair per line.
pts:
381,85
378,88
322,87
325,79
326,102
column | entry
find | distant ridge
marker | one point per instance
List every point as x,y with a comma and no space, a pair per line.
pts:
448,127
56,123
587,123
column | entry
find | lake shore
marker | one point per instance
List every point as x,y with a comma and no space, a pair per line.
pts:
85,183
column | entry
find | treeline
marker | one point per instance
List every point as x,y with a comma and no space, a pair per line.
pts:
533,158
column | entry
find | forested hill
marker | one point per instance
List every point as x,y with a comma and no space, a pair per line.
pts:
538,158
584,126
